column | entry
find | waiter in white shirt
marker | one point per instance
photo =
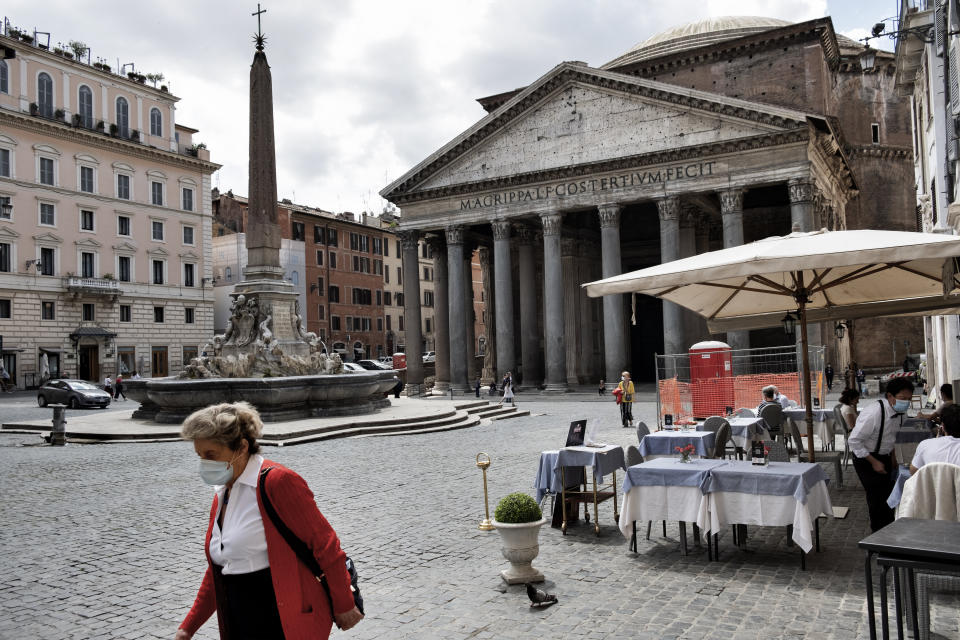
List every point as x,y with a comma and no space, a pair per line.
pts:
872,443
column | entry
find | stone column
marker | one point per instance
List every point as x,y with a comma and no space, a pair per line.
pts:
571,324
413,334
489,371
731,213
802,192
469,311
669,210
529,336
587,371
614,326
688,248
441,316
503,291
554,348
458,323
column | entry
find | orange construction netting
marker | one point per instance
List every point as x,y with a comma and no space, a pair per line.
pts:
686,401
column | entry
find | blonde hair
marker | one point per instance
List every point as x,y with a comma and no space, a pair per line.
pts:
226,423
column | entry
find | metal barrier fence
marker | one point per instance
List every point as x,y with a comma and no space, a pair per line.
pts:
686,394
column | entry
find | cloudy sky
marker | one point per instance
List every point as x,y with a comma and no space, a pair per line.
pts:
365,89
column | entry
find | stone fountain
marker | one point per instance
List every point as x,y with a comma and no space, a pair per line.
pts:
265,357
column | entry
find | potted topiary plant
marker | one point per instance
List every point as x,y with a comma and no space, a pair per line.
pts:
518,520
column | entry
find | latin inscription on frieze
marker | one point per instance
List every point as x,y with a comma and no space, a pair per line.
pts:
657,176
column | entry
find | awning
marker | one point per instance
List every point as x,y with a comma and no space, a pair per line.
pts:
13,350
91,332
51,349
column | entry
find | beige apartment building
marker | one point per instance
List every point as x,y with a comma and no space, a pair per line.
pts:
105,221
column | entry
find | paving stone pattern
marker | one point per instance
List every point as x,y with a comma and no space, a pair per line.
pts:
105,541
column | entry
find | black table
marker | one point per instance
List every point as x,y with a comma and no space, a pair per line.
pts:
908,543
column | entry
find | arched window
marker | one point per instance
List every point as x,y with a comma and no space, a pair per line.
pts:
85,106
228,273
295,277
156,122
45,95
4,77
123,118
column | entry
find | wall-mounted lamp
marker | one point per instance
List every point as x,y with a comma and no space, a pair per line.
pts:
314,287
36,262
6,209
840,328
789,324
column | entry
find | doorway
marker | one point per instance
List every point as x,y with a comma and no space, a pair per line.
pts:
89,363
158,362
646,339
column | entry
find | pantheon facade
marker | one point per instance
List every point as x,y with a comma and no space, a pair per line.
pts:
706,136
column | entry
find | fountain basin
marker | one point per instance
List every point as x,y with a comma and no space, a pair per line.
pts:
171,400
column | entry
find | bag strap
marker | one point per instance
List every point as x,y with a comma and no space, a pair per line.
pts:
299,547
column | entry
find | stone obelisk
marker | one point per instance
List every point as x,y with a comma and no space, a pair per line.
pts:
263,281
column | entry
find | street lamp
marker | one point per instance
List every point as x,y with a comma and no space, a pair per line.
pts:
789,323
839,329
868,58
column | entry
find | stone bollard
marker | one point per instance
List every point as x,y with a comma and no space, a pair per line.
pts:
58,436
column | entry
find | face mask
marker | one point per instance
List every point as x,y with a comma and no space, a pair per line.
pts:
901,406
216,472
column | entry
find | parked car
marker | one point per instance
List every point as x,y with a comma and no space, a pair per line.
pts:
352,367
373,365
429,356
73,393
387,360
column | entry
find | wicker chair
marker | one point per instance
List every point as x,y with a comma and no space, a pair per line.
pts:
642,430
823,456
772,414
777,451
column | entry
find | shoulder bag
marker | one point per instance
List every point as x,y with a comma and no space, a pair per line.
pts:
303,551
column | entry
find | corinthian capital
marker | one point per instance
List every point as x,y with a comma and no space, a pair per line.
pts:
437,248
551,223
454,234
501,229
409,238
731,201
669,208
484,254
524,234
609,215
801,190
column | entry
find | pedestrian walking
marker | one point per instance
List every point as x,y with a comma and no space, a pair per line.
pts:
118,388
861,382
108,386
476,387
255,581
493,387
828,373
5,384
600,390
507,389
626,399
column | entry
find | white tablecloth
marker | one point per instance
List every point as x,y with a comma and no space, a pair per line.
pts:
661,441
824,423
676,504
744,430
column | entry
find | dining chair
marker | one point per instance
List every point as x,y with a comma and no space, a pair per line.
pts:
713,423
722,440
821,456
841,421
642,430
633,456
744,412
772,415
776,451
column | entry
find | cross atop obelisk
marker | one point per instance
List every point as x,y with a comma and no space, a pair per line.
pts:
263,232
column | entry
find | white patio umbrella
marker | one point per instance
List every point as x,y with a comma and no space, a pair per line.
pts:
821,275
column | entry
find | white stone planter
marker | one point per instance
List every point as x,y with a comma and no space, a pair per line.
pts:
520,546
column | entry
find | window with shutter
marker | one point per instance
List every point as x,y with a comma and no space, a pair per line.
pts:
954,61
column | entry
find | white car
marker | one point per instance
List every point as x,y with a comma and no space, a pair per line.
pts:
353,367
429,356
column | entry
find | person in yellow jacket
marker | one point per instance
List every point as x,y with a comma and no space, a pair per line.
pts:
626,399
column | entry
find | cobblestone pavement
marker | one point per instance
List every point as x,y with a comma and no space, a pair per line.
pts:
18,406
105,541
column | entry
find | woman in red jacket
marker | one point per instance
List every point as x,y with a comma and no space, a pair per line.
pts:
254,580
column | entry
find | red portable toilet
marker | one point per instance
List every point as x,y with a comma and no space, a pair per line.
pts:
711,378
399,361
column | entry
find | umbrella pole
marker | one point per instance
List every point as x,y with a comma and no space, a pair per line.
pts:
805,380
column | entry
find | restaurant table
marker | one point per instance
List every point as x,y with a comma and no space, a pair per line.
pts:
913,432
604,461
824,424
665,489
903,474
910,544
660,444
776,494
743,431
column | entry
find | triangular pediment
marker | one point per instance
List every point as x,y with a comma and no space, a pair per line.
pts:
47,237
190,255
8,234
158,251
87,242
576,115
125,246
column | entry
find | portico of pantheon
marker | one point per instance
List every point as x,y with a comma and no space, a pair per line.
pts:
707,136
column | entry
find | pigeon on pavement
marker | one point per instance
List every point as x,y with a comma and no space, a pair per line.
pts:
540,598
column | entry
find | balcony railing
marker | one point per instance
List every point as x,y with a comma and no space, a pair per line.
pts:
93,286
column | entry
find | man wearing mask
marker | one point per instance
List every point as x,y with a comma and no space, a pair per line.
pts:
872,443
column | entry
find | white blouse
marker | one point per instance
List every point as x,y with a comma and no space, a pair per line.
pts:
241,547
